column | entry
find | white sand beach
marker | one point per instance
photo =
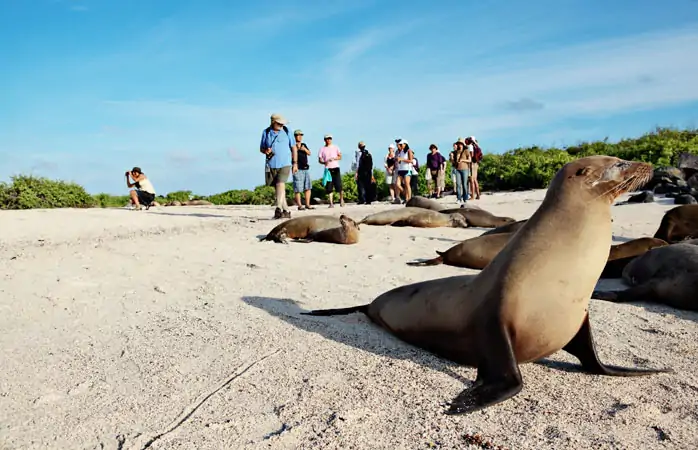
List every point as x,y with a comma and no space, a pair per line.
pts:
175,328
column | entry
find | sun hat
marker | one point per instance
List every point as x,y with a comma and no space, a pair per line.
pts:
279,119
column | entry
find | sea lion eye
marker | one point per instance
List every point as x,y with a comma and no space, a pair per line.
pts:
581,172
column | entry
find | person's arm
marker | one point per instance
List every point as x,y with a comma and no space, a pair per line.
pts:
305,149
264,143
294,152
339,155
128,180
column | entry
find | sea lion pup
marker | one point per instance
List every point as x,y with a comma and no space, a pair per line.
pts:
531,300
414,217
621,254
480,217
474,253
509,228
678,224
301,227
667,275
348,233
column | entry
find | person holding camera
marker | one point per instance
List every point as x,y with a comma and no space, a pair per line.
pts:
144,194
281,159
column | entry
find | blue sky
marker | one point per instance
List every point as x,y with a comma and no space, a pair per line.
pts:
183,89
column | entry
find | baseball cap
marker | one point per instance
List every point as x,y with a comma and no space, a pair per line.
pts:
298,133
391,145
328,136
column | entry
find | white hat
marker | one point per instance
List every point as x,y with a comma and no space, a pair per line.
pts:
391,145
328,136
404,141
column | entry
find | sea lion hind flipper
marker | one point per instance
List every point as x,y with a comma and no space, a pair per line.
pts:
498,376
337,311
428,262
582,347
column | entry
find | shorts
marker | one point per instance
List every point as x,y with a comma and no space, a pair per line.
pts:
473,171
434,174
301,181
279,175
144,198
403,173
388,178
336,182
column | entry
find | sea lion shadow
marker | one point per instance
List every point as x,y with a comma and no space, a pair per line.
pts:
192,215
431,238
369,338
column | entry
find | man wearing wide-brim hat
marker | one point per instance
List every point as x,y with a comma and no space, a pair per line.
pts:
281,158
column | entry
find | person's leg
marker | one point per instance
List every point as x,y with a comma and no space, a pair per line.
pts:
339,186
297,188
459,186
134,197
307,187
408,187
476,185
466,184
361,190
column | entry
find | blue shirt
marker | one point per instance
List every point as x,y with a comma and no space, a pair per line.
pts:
281,144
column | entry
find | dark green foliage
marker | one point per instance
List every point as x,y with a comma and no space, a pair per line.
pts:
28,192
521,168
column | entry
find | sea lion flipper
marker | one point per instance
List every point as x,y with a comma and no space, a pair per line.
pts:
498,377
428,262
582,347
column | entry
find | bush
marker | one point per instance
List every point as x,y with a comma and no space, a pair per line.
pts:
28,192
520,168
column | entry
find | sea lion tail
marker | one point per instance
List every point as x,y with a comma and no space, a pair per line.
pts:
337,311
429,262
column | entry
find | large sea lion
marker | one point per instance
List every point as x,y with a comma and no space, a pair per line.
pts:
301,227
415,217
667,275
678,224
531,300
480,217
509,228
621,254
474,253
347,233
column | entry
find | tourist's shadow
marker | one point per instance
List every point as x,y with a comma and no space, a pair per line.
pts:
366,336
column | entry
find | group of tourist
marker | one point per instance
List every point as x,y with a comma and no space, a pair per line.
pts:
288,156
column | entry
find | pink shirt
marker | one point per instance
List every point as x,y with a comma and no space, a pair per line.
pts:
327,152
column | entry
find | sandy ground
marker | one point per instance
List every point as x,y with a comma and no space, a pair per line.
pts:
175,328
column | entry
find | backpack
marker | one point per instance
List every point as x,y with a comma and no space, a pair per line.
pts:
477,153
365,162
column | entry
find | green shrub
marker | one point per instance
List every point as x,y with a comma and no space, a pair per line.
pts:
29,192
520,168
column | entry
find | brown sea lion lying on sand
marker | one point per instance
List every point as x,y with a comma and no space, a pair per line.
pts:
347,233
621,254
415,217
667,275
301,227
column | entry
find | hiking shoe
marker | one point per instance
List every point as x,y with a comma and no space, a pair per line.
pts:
286,214
278,214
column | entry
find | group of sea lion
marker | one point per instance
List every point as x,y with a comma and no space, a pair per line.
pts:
537,276
418,212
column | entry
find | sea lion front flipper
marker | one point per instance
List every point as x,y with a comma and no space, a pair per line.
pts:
498,376
582,347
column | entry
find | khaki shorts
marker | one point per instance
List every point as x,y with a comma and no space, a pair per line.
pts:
473,170
276,176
